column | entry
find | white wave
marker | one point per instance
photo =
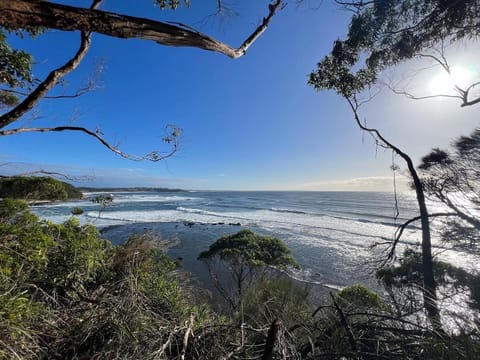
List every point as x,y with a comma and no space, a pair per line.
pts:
152,198
63,204
341,235
122,198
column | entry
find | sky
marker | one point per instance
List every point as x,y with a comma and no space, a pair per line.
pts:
247,124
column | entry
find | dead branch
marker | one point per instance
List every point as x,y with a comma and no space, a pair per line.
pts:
271,339
52,173
461,93
82,91
343,319
401,229
187,335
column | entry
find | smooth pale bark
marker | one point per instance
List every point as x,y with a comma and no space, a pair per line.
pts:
17,14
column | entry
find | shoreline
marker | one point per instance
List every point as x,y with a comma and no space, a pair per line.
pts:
183,242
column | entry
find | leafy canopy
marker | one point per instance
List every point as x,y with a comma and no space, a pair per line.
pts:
254,250
384,33
453,178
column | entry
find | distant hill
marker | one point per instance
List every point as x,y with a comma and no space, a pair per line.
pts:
33,188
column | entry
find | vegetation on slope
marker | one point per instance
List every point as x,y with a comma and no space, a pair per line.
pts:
37,188
65,293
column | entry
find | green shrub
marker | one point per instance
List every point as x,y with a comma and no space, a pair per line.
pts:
77,211
37,188
360,297
245,256
66,293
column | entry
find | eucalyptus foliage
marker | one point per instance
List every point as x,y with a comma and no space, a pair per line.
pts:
383,33
453,178
234,261
246,247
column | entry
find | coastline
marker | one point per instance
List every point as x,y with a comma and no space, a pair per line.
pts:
183,242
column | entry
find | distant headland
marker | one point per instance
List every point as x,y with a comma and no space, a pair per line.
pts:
129,189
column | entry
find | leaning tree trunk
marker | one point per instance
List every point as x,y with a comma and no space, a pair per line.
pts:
430,287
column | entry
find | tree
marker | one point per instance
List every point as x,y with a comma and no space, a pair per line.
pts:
37,188
246,255
453,179
382,34
385,33
319,81
20,92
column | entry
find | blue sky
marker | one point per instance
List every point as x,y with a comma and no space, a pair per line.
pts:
251,123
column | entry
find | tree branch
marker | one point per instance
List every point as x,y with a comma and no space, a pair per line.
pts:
82,91
51,173
53,77
343,319
153,156
401,229
18,14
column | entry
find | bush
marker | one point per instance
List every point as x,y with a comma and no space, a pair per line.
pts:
66,293
37,188
77,211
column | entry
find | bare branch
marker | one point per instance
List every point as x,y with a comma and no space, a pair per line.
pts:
186,336
51,173
82,91
401,229
153,156
424,97
343,319
462,93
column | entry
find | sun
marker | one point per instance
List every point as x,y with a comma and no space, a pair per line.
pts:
444,83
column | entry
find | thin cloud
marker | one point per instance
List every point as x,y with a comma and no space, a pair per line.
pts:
374,183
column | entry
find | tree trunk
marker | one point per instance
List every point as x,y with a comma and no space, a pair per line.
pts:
17,14
429,284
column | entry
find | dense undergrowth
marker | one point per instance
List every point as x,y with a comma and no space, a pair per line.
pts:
67,294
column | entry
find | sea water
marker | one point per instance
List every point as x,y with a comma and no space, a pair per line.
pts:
336,237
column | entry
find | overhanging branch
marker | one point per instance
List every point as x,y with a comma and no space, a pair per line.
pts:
153,156
17,14
401,229
53,77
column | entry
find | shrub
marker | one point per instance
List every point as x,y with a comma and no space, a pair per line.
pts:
37,188
77,211
244,256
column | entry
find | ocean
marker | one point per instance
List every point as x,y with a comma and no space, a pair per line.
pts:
335,236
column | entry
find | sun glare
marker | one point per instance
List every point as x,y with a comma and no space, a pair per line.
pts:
444,83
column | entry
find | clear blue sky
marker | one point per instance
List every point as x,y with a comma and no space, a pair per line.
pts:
251,123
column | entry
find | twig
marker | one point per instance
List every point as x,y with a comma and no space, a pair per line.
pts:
343,320
152,156
186,336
